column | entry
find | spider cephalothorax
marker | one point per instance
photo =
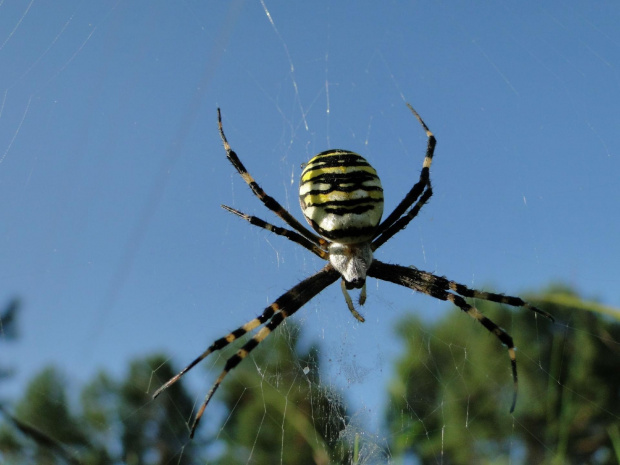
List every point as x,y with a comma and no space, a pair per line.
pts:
342,199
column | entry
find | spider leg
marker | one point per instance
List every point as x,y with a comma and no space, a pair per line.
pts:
404,220
362,298
418,187
271,203
502,335
233,361
290,235
349,301
476,294
438,287
283,307
429,279
221,343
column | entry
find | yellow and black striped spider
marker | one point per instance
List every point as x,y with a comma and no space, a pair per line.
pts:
342,199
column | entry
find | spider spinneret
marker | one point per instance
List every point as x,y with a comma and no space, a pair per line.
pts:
342,199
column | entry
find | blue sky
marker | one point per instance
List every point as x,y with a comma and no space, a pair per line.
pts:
112,172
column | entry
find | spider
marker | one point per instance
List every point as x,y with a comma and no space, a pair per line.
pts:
342,199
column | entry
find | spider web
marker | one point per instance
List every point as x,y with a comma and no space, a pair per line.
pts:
112,173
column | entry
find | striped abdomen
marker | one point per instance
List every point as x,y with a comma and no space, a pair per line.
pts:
341,196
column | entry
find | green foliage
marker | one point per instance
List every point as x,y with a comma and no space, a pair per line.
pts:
110,413
8,320
154,428
8,329
279,414
451,395
449,400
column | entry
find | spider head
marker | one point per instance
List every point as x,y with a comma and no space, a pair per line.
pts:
351,261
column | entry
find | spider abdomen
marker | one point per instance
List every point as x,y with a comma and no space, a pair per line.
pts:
341,196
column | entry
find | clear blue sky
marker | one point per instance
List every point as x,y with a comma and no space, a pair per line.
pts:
112,172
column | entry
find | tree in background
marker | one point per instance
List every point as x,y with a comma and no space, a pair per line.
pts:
451,395
117,422
8,331
279,411
448,403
